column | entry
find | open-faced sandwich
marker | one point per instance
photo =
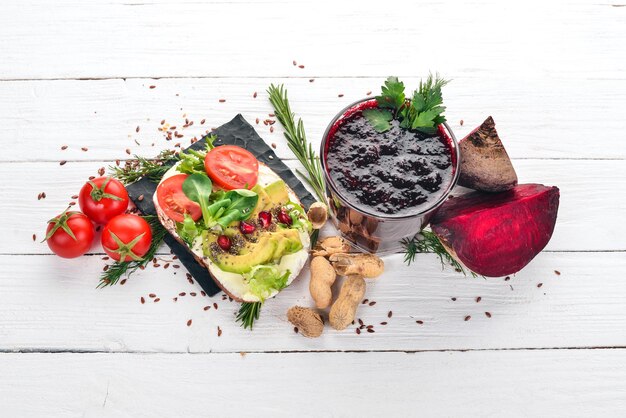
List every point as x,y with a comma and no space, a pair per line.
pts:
238,218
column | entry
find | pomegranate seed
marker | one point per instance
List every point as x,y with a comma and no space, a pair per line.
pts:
283,217
224,242
265,218
246,227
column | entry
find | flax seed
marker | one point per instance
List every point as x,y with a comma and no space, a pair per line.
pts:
206,308
294,63
539,284
203,293
300,66
365,301
64,147
358,331
419,322
105,268
63,162
85,149
371,330
189,323
295,329
123,282
360,321
389,314
156,300
152,87
254,95
257,121
219,331
152,295
143,300
372,303
488,314
140,198
340,95
127,151
383,323
368,93
166,265
34,237
271,129
222,100
453,299
468,317
193,294
214,305
311,80
558,273
478,299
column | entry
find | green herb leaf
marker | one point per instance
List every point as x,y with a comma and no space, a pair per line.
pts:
379,119
198,187
248,313
187,230
392,96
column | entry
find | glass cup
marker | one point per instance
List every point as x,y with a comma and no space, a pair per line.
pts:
374,232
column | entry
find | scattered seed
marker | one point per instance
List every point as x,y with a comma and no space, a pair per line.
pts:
478,299
242,353
383,323
85,149
539,284
127,151
74,196
358,331
152,87
72,203
558,273
222,100
189,323
468,317
419,322
175,299
143,300
214,305
123,282
206,308
311,80
257,121
389,314
372,303
340,95
156,300
300,66
156,265
273,145
360,321
166,265
453,299
64,147
193,294
140,198
295,329
219,331
507,278
294,63
34,237
152,295
365,301
63,162
271,129
488,314
105,268
370,330
461,122
254,95
203,293
163,122
370,326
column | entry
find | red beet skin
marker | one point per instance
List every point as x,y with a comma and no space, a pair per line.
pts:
498,234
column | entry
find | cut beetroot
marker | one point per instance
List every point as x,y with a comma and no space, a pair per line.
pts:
498,234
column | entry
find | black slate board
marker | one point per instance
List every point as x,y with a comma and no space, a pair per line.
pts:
236,132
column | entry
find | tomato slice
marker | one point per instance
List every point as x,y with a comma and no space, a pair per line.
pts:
232,167
173,200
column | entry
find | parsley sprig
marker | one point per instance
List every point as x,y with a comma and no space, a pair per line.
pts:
422,112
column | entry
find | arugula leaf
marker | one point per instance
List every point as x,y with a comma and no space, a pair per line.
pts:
187,230
192,161
198,187
264,279
299,219
392,96
379,119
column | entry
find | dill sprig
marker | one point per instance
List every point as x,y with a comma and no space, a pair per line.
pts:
427,242
120,269
248,313
296,139
152,168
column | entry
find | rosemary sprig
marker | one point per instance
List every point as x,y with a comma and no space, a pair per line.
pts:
296,139
248,313
120,269
152,168
427,242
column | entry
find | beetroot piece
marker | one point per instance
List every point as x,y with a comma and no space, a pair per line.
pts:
485,165
498,234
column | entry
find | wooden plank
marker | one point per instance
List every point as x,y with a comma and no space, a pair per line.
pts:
47,303
572,383
535,118
146,39
588,192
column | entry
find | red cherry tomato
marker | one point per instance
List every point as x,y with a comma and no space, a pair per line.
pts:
70,234
232,167
126,238
103,199
173,200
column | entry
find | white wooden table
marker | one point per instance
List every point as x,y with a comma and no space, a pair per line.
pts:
80,73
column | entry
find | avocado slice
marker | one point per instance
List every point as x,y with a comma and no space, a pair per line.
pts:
288,242
277,193
263,203
260,252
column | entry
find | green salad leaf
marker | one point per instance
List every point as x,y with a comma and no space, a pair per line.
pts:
299,219
198,187
187,230
192,161
241,202
265,279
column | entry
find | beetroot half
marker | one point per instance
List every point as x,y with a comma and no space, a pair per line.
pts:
498,234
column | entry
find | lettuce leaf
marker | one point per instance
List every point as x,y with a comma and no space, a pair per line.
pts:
265,279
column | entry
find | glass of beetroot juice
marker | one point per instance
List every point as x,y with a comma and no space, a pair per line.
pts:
383,187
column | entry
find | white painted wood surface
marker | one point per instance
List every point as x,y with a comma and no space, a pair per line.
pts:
79,74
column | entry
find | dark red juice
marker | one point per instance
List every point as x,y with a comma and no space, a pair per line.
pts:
395,173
